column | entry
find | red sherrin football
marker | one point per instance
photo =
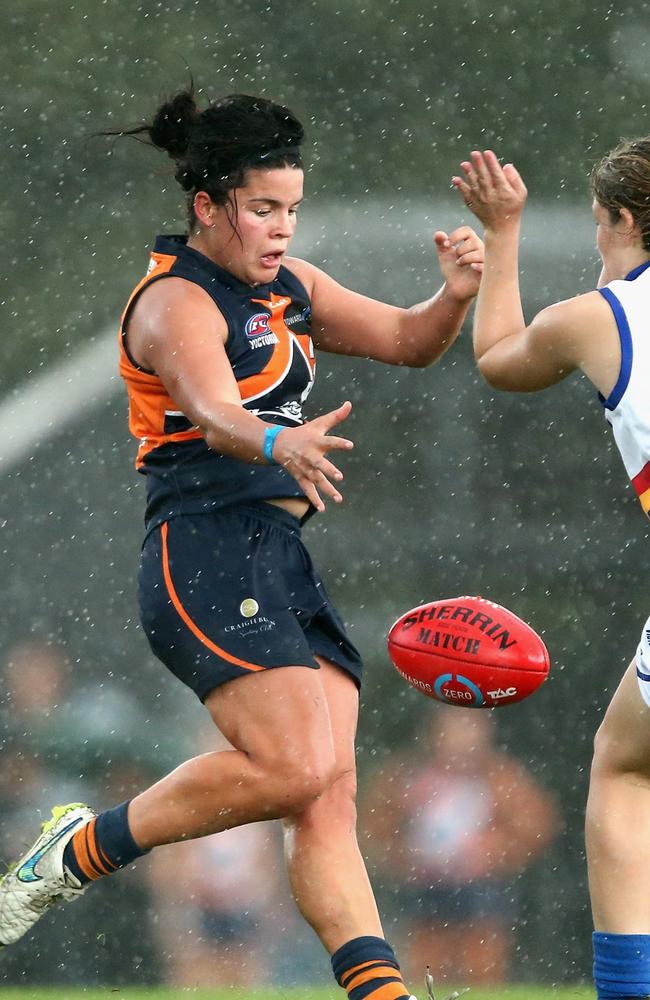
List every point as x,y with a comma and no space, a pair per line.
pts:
468,651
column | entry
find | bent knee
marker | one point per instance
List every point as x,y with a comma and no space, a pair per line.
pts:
305,786
334,807
300,782
343,788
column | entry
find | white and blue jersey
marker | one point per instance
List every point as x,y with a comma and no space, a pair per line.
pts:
627,408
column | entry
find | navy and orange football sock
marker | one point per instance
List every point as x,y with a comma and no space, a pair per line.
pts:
102,846
367,967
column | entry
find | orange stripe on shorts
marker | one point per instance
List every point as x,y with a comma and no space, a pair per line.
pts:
192,626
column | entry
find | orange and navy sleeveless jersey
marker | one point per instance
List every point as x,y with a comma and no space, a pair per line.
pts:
271,353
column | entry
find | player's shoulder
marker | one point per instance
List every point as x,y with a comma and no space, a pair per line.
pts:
166,300
574,307
582,332
585,312
174,289
306,273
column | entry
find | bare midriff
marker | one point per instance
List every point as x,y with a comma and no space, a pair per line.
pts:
294,505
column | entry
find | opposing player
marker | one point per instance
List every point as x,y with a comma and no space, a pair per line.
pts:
605,334
217,354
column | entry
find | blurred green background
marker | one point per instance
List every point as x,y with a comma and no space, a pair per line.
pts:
451,488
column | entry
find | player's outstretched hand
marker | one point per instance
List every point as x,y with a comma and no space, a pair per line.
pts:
303,450
495,194
460,256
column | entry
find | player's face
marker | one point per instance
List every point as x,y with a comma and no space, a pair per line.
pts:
251,234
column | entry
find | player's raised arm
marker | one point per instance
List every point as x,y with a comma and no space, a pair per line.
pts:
510,354
496,195
346,322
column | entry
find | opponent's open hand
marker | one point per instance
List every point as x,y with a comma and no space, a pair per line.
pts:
460,256
302,452
495,194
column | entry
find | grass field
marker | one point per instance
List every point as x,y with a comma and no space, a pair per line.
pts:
271,993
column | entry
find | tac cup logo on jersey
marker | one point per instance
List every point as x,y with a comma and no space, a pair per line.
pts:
258,331
249,607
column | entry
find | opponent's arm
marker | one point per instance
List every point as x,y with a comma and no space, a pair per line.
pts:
560,339
177,332
345,322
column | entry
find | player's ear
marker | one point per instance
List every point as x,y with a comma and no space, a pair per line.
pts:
627,224
204,209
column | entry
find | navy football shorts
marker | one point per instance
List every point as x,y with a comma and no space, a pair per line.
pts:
234,592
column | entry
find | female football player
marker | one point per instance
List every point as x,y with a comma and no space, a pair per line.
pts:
217,352
603,333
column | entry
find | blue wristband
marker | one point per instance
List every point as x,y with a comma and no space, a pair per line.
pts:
270,435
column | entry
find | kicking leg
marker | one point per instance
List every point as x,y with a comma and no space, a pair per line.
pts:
278,722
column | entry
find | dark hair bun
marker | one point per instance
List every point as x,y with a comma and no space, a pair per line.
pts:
172,125
213,148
